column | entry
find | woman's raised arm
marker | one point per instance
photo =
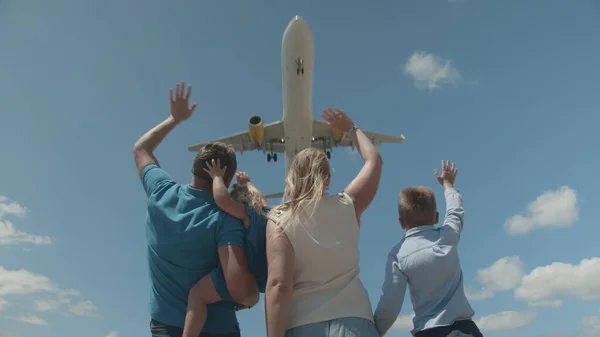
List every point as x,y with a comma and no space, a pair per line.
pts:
363,187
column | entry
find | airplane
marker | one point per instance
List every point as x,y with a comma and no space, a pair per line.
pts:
297,130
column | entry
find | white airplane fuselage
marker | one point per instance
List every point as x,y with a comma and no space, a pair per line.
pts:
297,63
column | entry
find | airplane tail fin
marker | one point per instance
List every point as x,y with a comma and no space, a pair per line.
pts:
274,195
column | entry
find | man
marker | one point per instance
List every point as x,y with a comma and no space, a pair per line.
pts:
188,234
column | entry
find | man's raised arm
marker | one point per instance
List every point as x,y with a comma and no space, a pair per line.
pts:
143,150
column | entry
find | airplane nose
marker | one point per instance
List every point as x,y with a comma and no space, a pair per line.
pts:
296,27
299,22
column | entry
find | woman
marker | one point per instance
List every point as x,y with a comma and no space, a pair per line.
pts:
313,288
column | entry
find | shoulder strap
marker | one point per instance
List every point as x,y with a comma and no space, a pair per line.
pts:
275,215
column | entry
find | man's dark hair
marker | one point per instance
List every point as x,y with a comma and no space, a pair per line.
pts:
215,150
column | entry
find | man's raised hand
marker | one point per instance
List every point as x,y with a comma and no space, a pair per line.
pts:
448,175
180,108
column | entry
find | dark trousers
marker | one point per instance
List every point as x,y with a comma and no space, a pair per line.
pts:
467,327
158,329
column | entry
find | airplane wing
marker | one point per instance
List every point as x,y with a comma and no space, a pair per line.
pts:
241,141
274,195
325,138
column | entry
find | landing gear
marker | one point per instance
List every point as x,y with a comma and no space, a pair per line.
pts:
271,156
328,154
299,66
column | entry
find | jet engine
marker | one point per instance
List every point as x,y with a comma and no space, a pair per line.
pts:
337,135
256,129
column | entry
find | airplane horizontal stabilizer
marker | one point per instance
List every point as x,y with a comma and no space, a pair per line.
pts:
274,195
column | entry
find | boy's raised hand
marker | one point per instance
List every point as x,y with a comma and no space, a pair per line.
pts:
448,175
214,169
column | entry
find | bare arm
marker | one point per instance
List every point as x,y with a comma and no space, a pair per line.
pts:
243,178
224,201
143,150
363,188
240,282
280,282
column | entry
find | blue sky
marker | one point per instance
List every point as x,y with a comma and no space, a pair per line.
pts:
507,89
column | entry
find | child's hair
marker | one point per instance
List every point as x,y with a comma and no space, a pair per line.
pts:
417,206
248,194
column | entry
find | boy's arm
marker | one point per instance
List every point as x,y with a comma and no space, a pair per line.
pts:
454,211
240,282
454,208
224,201
393,292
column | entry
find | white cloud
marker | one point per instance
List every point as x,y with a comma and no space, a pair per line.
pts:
3,303
9,235
556,208
544,285
503,274
112,334
84,308
478,295
47,305
506,320
591,325
429,71
8,207
31,319
403,323
24,282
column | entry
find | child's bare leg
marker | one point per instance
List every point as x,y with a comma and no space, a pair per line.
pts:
200,295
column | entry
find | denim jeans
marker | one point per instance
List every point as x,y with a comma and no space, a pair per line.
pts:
464,328
340,327
158,329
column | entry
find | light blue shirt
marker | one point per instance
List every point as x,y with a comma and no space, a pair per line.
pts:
427,261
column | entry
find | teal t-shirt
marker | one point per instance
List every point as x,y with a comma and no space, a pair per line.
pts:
184,228
256,245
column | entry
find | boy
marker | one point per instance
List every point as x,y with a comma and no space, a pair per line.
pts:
427,261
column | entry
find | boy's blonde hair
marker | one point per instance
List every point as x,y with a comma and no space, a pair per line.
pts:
248,194
417,206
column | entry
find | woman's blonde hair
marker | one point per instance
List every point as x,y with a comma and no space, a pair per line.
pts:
305,183
249,194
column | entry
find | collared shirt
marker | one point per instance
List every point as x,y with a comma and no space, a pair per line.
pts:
427,261
184,228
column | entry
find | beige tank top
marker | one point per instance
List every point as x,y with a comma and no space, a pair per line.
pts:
326,275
